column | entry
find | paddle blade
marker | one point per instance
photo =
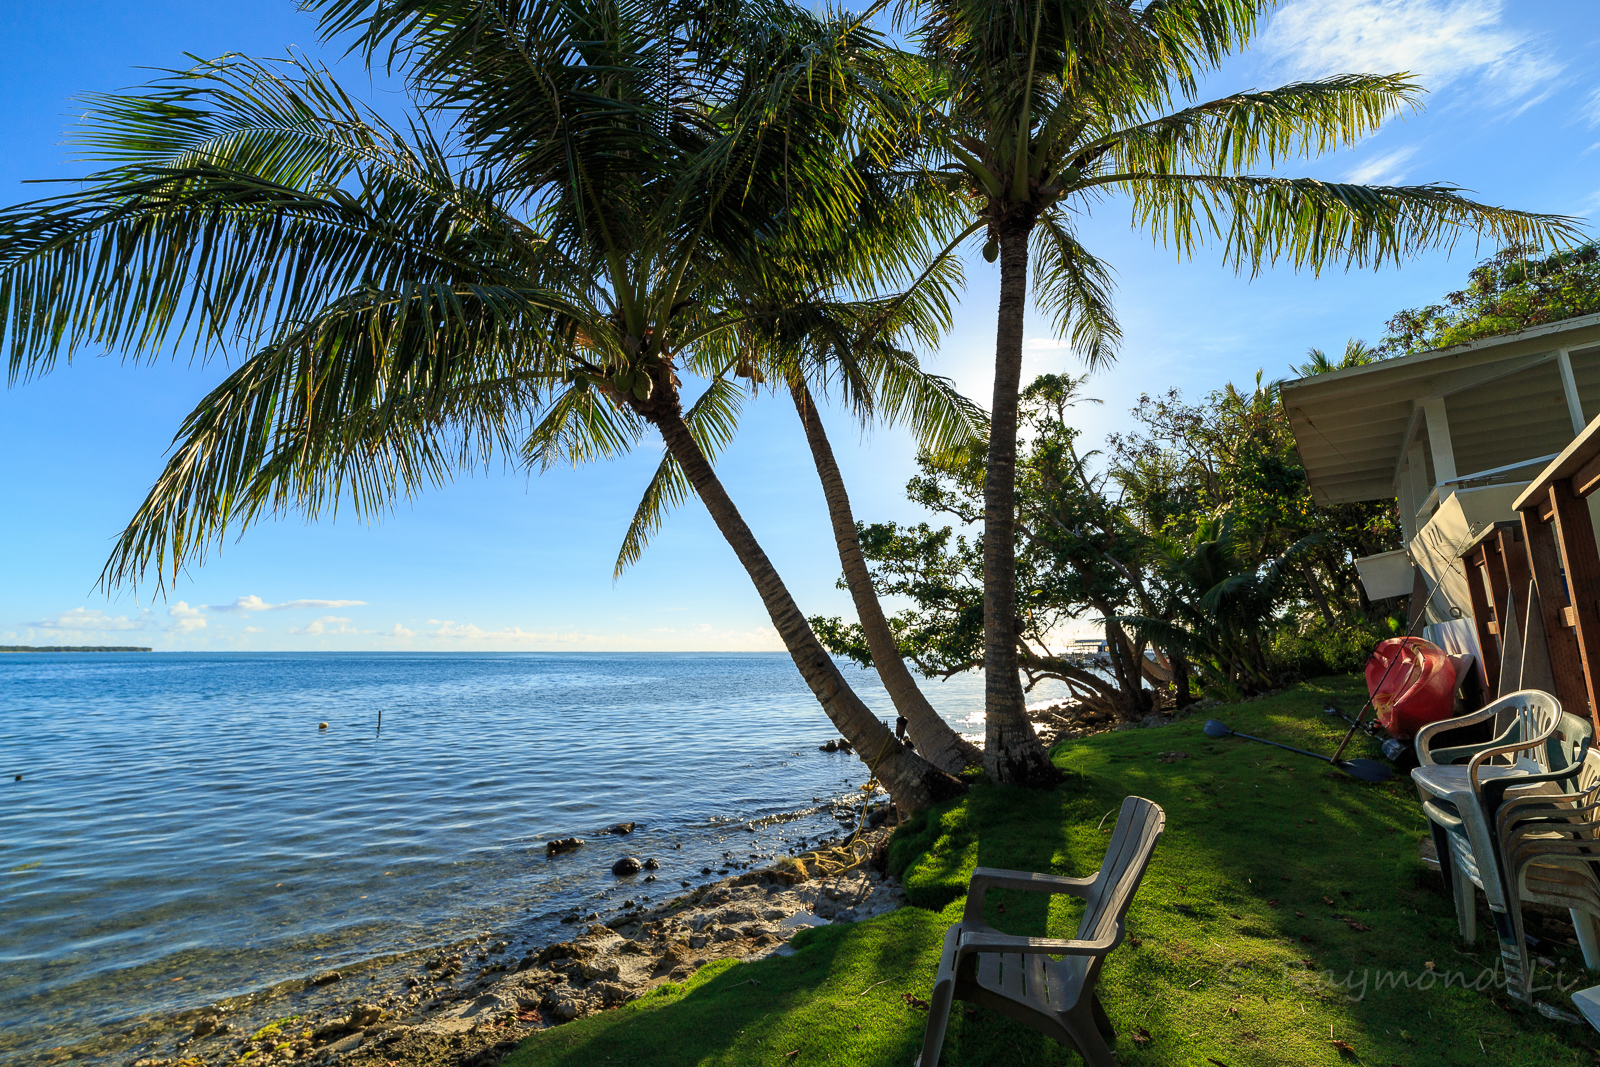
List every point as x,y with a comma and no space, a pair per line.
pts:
1217,728
1368,770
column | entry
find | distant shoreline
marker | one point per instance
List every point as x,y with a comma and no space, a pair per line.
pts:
74,648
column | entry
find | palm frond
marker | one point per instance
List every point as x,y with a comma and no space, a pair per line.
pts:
581,424
1076,289
250,212
383,395
1314,225
1245,131
712,419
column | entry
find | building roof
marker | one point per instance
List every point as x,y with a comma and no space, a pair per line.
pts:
1503,396
1577,455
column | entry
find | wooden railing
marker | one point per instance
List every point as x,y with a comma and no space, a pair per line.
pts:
1564,563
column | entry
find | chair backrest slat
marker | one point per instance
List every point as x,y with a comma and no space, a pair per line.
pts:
1139,826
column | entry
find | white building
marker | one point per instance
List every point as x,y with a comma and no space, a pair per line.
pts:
1452,436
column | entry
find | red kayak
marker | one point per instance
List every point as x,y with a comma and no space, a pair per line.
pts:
1412,682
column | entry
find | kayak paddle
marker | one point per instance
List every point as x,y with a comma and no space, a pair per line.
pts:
1368,770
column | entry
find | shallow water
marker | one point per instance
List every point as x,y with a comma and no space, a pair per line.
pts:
183,830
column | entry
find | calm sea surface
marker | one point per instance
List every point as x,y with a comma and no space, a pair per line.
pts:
183,831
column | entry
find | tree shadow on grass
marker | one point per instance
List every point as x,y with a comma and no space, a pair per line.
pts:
1253,837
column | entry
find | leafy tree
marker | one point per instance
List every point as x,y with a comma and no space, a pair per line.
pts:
1234,452
1039,108
1512,290
598,222
1075,555
1226,605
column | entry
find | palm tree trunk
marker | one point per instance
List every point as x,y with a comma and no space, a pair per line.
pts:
935,740
1180,681
1011,750
912,782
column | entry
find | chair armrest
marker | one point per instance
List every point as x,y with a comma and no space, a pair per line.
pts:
1478,759
1425,736
1493,792
987,878
1437,813
1054,946
950,953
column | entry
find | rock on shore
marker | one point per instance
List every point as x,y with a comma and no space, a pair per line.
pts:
470,1008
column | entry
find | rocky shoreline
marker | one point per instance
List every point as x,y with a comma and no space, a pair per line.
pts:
470,1005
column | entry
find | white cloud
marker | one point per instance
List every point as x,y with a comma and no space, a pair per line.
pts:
328,624
185,619
255,630
399,631
1438,41
1385,169
91,620
255,603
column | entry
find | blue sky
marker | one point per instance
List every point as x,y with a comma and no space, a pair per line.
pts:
508,561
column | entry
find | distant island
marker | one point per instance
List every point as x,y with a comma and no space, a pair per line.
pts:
73,648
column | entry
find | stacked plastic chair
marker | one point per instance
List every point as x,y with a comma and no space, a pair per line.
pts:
1549,852
1540,751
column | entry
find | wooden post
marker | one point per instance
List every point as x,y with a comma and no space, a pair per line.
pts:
1494,572
1508,539
1545,562
1575,534
1489,638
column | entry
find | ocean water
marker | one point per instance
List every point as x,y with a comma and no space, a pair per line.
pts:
183,831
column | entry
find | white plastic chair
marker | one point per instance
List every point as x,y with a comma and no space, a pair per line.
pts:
1517,762
1549,848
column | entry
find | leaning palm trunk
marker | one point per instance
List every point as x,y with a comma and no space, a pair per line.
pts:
912,782
935,740
1011,750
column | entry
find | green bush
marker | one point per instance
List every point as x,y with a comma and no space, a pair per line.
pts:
1312,648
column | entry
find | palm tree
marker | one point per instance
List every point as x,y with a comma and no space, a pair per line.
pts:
938,743
888,384
799,333
1357,353
405,322
1039,108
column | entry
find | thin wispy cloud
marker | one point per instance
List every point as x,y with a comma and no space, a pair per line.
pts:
1441,42
1384,169
90,620
255,603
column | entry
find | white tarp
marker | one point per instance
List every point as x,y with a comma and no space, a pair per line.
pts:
1437,548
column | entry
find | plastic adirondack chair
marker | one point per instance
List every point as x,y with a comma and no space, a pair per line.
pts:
1462,817
1011,975
1549,846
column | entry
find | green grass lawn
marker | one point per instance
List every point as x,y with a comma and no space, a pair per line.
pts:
1285,910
